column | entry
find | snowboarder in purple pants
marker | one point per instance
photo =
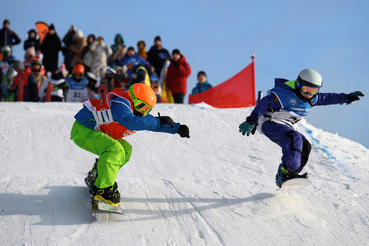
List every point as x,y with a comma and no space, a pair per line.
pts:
277,114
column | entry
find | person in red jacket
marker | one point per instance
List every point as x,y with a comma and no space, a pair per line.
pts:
178,72
28,80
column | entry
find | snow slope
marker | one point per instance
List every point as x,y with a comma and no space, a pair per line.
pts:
216,188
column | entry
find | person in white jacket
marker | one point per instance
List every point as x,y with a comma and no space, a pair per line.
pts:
58,88
100,52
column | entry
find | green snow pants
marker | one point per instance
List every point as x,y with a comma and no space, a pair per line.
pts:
114,153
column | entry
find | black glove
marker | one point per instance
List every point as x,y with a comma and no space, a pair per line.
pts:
354,96
183,131
166,120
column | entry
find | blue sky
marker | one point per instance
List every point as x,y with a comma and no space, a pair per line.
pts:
219,37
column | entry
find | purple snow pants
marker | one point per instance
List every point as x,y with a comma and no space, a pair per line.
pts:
295,147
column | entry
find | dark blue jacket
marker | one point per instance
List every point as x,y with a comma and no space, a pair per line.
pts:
268,103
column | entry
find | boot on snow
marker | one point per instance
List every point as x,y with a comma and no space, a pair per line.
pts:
284,174
110,195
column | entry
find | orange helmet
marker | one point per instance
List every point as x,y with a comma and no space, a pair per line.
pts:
79,68
143,97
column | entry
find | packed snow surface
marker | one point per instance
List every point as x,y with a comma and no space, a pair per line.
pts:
216,188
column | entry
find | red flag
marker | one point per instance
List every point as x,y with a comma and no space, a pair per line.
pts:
42,29
236,92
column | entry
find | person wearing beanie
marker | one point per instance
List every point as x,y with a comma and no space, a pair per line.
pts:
7,36
32,41
202,84
36,66
178,72
77,48
50,48
157,55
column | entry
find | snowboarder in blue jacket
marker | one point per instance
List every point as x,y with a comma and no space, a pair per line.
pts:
278,113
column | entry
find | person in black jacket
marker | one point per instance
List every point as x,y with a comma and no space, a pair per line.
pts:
157,55
7,36
32,41
50,48
69,40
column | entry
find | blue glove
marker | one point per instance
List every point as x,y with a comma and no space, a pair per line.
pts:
354,96
247,128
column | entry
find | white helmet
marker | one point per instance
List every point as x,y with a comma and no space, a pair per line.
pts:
310,77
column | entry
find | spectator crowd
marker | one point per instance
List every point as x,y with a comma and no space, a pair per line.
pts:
90,66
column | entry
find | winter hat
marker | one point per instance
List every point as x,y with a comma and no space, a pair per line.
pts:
6,21
51,27
32,31
5,48
79,33
201,72
157,38
176,51
19,64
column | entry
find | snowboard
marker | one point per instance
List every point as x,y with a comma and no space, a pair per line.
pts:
295,184
99,206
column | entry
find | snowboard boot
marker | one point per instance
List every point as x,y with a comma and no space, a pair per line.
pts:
109,195
284,174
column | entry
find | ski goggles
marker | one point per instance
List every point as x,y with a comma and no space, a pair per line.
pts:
142,107
139,105
309,89
78,74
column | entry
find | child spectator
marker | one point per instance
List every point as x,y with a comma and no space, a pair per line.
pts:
178,72
50,48
29,56
202,84
157,55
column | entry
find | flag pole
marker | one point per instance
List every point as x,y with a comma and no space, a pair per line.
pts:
253,75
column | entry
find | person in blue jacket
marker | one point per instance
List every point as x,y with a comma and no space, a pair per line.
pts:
278,113
202,84
128,58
